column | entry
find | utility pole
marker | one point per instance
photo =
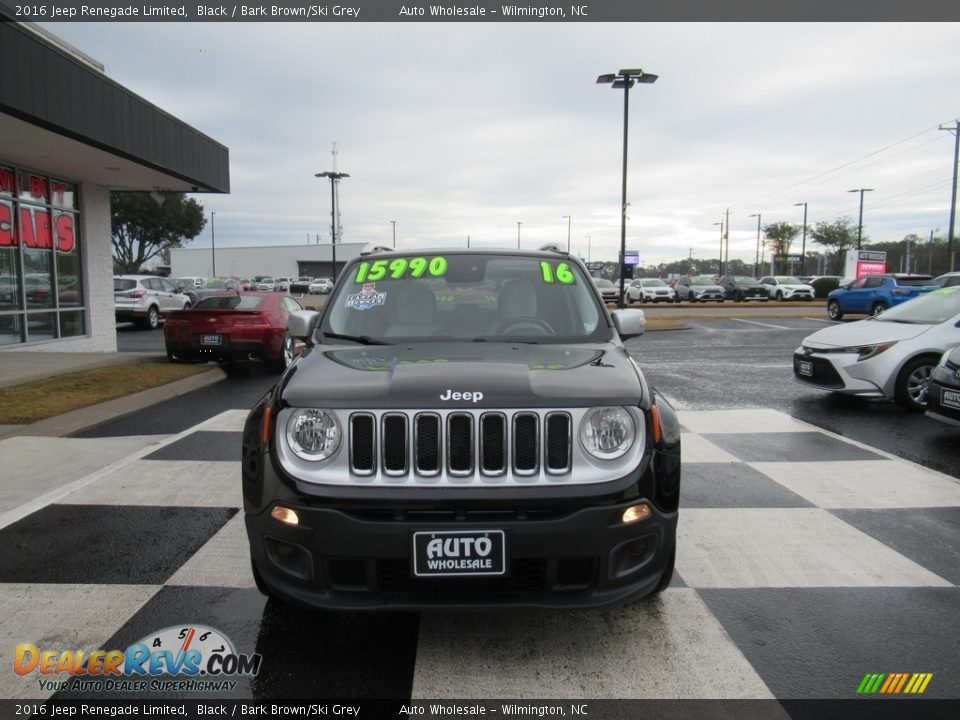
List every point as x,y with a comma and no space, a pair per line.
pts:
953,192
213,242
726,237
803,247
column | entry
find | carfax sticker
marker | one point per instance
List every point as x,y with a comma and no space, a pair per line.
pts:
367,298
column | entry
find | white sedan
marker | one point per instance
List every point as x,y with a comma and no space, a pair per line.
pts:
890,355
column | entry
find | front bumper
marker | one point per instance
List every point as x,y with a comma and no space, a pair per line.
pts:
943,403
842,372
361,558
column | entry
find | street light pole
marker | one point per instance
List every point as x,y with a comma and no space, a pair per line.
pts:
335,177
213,242
756,263
394,223
860,223
625,79
588,249
803,245
720,264
568,232
951,262
519,223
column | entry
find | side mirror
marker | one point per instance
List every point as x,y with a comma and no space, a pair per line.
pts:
300,325
629,323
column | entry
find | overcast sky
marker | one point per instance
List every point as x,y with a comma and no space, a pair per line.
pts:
464,129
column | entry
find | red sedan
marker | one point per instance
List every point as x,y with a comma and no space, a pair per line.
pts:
230,328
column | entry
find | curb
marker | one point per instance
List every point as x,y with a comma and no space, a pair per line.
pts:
93,415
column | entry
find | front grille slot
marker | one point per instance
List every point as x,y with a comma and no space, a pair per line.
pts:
493,446
460,443
363,444
427,444
394,444
558,442
526,443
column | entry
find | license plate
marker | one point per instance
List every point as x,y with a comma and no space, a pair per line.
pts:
805,367
950,398
458,553
210,340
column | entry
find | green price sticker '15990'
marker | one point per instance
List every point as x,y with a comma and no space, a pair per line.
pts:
400,268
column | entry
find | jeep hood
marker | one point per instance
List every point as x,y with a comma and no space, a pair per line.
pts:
437,375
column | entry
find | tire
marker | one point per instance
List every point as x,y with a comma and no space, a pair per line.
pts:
910,390
286,354
737,297
779,296
878,307
186,305
171,357
152,321
833,310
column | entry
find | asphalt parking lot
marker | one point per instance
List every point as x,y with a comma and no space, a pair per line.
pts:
812,551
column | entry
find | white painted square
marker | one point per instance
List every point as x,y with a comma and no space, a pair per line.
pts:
192,483
865,483
666,647
787,547
61,617
694,448
224,561
759,420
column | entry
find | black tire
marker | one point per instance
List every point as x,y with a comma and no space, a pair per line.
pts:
286,355
910,390
171,357
779,296
833,310
878,307
152,321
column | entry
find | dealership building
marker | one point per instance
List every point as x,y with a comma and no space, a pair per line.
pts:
69,135
272,260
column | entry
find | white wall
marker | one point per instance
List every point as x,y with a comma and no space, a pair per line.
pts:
245,262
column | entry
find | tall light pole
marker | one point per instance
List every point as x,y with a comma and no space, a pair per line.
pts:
394,223
951,263
588,249
860,223
335,178
568,232
756,263
803,244
625,79
720,264
519,223
213,242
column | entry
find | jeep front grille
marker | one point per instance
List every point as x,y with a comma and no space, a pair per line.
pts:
461,444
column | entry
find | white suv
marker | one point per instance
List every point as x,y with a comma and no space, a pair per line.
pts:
144,299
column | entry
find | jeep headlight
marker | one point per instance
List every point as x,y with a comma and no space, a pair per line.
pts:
313,434
607,433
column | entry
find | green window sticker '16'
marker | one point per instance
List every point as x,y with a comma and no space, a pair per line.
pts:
400,268
561,274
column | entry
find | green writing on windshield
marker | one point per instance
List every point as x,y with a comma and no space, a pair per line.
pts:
561,273
400,268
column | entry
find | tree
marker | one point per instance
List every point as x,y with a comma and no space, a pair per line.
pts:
779,236
144,224
838,237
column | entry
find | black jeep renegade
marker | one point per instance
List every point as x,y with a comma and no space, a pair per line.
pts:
464,429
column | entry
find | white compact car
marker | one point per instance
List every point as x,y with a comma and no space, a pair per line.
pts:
650,290
890,355
787,287
321,285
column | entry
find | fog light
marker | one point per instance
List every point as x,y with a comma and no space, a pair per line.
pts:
285,515
635,513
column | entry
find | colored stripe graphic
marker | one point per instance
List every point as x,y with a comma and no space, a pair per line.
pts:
894,683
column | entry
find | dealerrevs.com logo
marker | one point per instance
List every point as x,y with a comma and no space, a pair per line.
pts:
894,683
183,658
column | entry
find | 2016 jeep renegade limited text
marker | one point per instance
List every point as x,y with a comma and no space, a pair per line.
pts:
463,429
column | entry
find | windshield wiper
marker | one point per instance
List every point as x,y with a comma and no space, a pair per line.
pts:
362,339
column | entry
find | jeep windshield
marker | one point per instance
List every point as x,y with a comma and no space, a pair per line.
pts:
439,297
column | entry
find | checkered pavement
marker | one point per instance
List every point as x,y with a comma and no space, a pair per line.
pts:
804,562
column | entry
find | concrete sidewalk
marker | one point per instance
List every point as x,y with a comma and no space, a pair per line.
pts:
21,367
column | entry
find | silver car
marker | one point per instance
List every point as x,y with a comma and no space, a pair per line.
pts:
144,299
322,285
698,288
890,355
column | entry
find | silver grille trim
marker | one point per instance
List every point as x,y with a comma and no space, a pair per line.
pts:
461,448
